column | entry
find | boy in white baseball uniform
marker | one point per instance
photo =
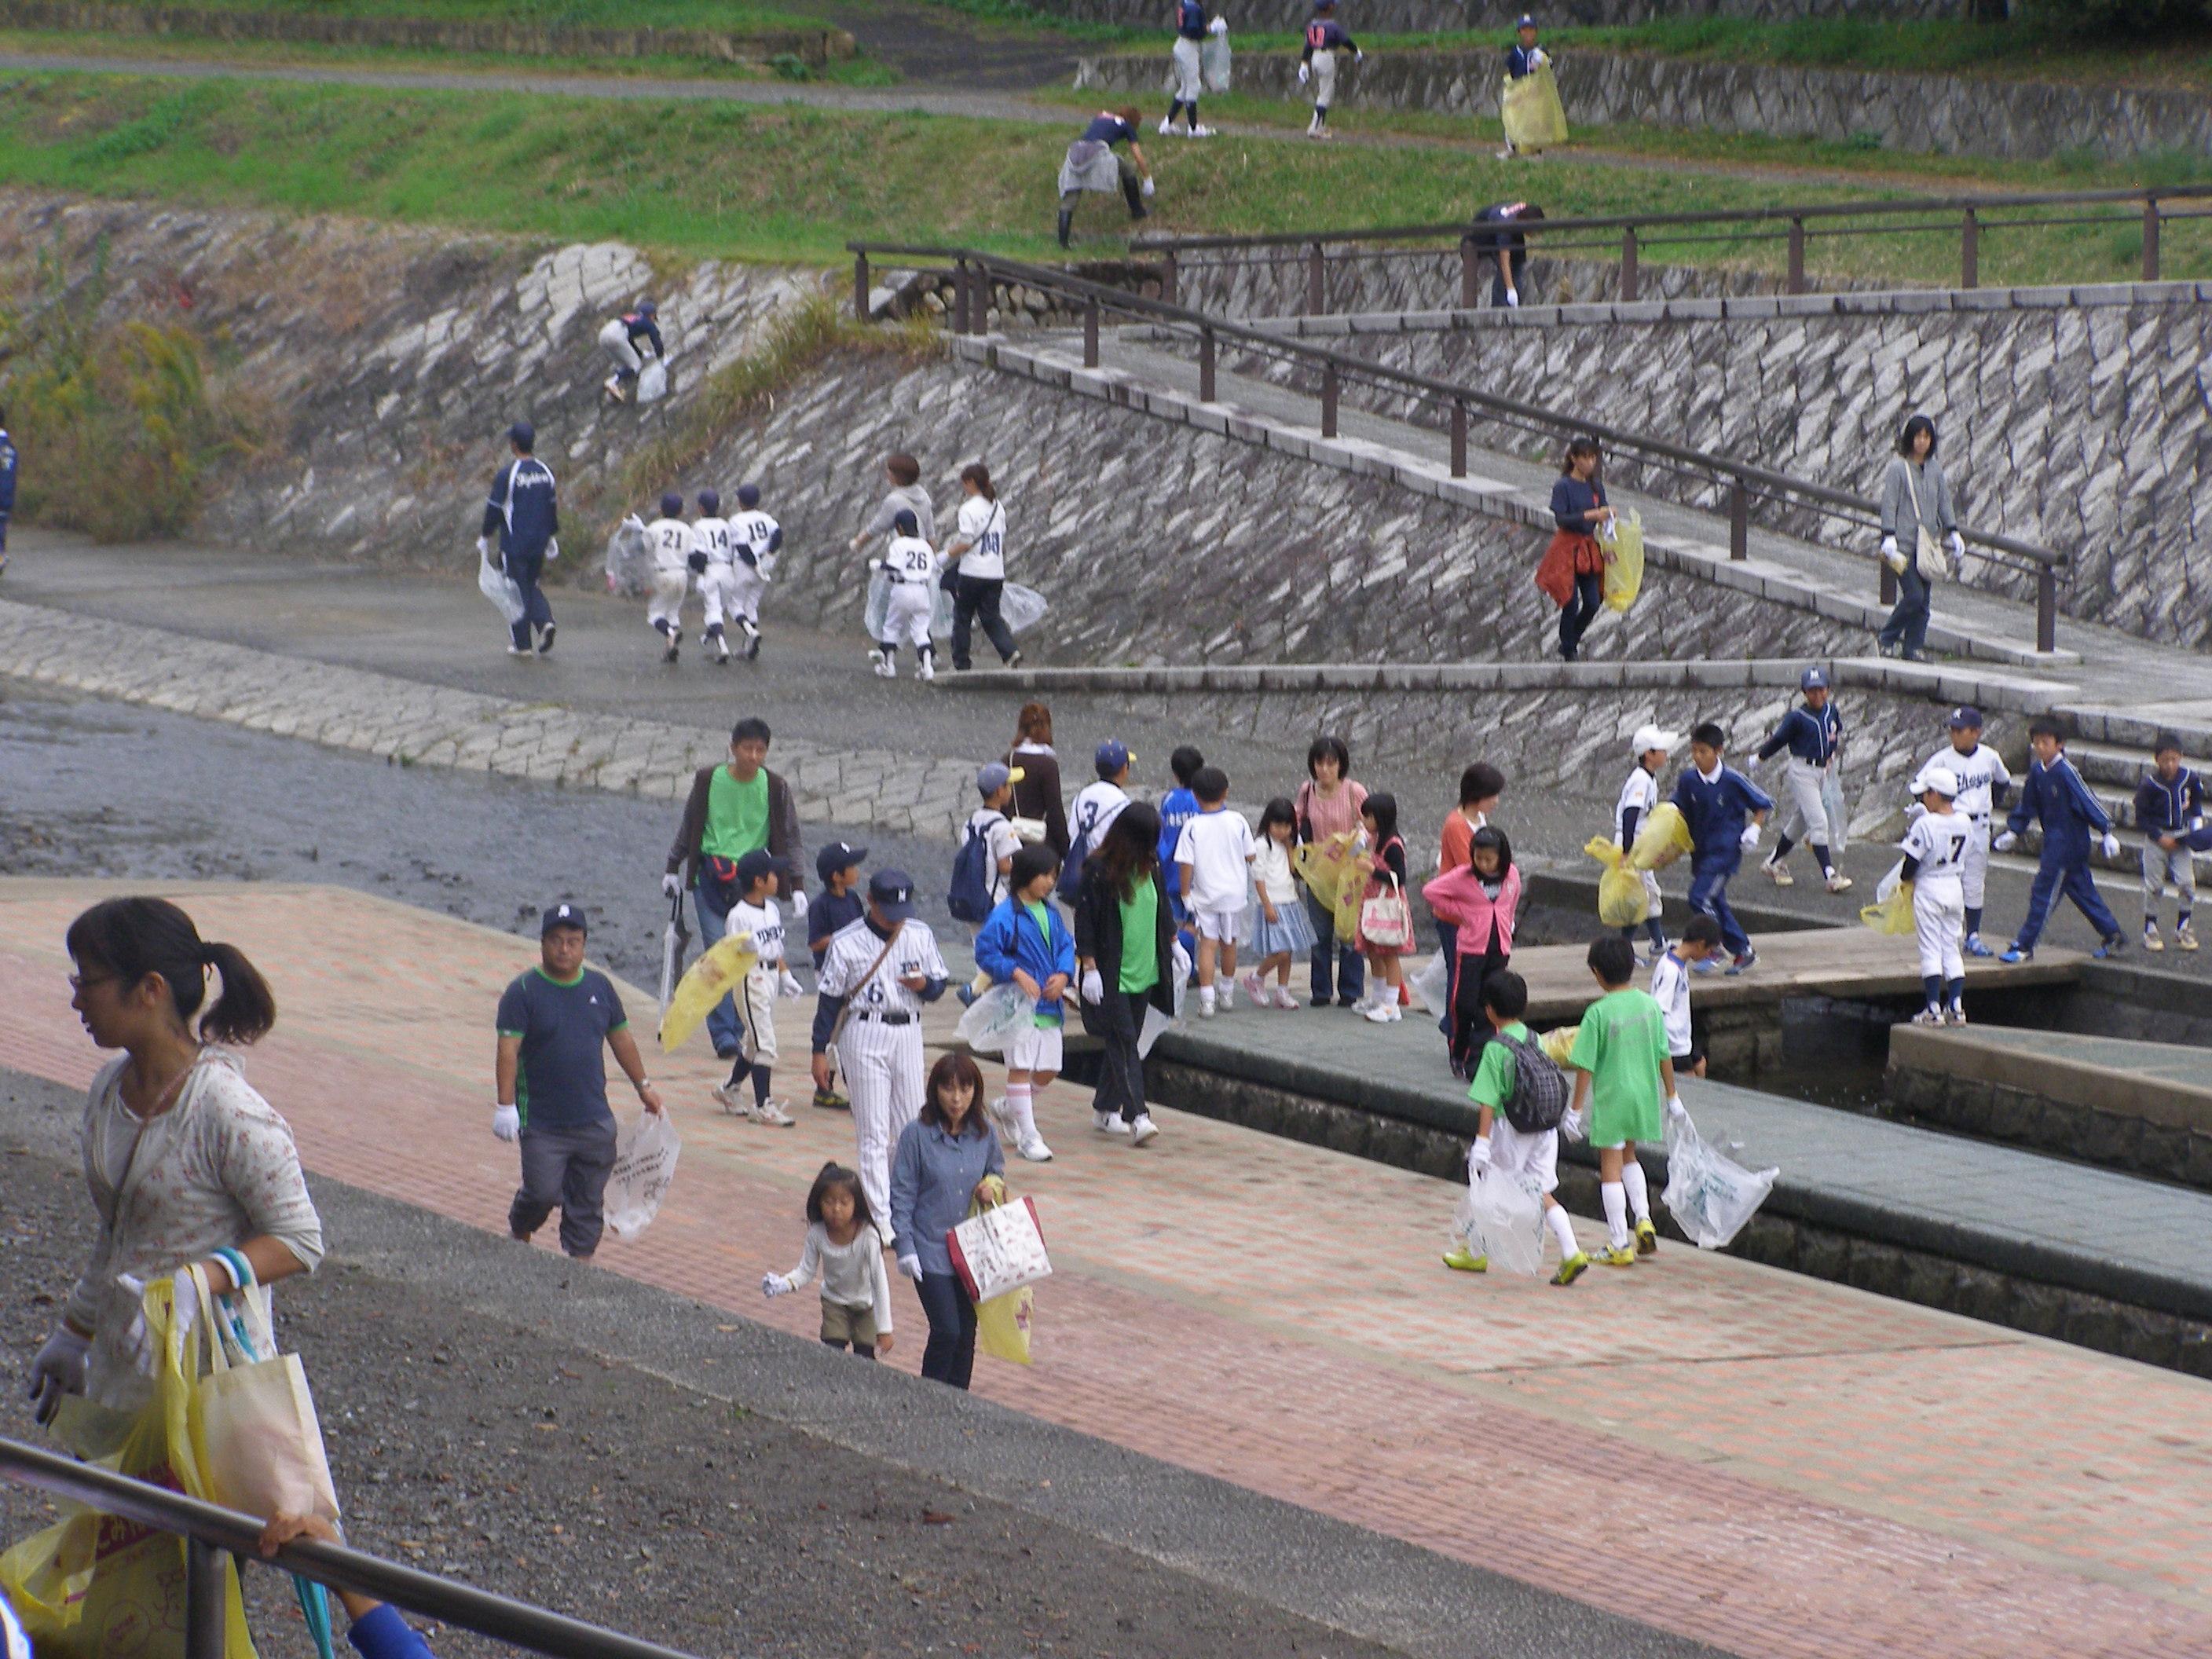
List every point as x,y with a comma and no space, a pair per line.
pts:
717,585
1213,860
875,977
758,540
756,914
1935,859
1984,782
677,555
1670,989
1638,795
909,564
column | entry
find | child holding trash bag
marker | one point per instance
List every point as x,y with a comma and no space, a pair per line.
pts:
1724,811
1479,900
1623,1073
1328,804
1935,861
1572,572
1024,942
1512,1068
843,1248
1638,795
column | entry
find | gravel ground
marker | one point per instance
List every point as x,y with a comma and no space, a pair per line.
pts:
495,1451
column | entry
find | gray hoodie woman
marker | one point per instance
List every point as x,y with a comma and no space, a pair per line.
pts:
1914,493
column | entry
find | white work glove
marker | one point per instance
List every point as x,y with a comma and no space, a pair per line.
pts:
671,885
483,547
58,1369
775,1285
1750,836
1144,189
1478,1156
1675,1109
1219,26
1094,988
552,549
789,985
798,904
507,1122
2005,842
1570,1124
2111,845
1891,557
1539,57
1958,545
1513,303
1304,73
911,1267
1358,56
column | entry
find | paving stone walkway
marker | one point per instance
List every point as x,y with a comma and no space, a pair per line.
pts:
1777,1465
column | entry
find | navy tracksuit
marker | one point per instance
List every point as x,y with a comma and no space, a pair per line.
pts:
521,509
2056,796
8,458
1715,811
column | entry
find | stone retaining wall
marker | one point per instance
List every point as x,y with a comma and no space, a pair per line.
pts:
504,37
1442,17
1996,1111
2010,120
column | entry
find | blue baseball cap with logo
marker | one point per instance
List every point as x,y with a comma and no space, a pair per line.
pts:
1813,679
891,891
1966,718
563,915
1113,755
838,855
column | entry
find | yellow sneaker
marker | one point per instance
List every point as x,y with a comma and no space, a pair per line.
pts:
1617,1255
1571,1268
1647,1238
1460,1260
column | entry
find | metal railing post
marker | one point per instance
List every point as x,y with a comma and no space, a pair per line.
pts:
1739,519
2046,609
959,296
1459,439
205,1584
1316,282
1628,284
860,288
1328,400
1167,277
1470,282
2150,239
1796,256
1969,250
1206,365
1090,332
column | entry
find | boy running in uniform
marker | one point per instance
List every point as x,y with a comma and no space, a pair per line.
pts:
1670,989
909,565
757,540
1638,795
2054,796
710,531
1716,801
757,913
2169,804
1813,734
1624,1074
1325,37
1935,857
677,555
1984,782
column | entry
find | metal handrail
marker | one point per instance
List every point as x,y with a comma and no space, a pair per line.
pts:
1742,479
212,1533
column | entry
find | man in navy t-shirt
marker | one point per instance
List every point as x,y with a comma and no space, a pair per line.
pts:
552,1083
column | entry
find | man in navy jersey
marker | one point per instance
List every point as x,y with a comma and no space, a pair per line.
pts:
521,512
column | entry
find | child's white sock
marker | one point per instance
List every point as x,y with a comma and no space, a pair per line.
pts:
1639,1194
1562,1229
1616,1215
1020,1106
1205,996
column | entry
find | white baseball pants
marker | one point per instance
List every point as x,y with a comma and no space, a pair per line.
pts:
747,587
1974,869
1189,81
1809,816
614,340
1939,924
756,1007
667,603
883,1071
906,615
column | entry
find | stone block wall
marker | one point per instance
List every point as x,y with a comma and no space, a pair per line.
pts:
1428,16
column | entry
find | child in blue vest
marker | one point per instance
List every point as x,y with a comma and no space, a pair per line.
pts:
1724,811
2054,795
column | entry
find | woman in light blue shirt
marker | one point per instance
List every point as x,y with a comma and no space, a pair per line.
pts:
942,1158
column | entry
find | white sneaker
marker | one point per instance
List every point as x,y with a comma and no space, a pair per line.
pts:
1839,882
514,650
773,1113
732,1100
1205,1005
1201,132
1956,1016
1166,127
1778,874
1931,1015
1033,1148
1285,998
1143,1130
1110,1123
1384,1013
1228,995
885,669
1000,1116
1255,989
926,671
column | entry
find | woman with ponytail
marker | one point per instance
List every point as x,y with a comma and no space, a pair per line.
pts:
187,1164
977,557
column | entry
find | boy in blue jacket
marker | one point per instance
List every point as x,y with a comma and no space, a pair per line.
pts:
1813,733
2055,795
1724,811
2169,804
1024,942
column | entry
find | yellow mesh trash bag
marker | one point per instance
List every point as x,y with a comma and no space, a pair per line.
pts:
1624,570
1661,838
1558,1043
1535,119
1622,900
1324,866
1891,910
705,983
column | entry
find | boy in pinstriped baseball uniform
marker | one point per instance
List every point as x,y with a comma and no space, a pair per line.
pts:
875,977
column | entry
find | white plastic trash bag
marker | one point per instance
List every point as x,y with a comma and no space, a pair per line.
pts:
629,559
1710,1194
1020,608
496,586
1155,1022
653,381
644,1163
1213,62
878,606
1433,984
994,1017
1501,1216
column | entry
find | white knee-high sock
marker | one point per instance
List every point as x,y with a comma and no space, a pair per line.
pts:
1562,1229
1616,1215
1640,1194
1021,1100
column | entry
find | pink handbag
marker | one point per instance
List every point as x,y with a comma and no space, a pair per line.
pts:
1386,920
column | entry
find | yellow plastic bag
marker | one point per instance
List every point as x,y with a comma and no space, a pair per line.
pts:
1558,1043
1002,1325
1622,900
705,983
1624,570
1535,119
1324,866
92,1585
1891,910
1662,837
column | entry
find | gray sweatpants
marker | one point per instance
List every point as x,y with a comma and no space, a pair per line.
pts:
565,1169
2160,867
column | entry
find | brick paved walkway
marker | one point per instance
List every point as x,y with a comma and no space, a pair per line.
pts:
1774,1465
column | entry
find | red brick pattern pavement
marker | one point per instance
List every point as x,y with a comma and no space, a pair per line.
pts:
1771,1464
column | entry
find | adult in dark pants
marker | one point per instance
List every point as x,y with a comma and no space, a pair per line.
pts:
1125,953
1329,803
1090,164
735,807
937,1172
1506,249
522,513
1573,569
979,547
1915,497
1038,793
552,1083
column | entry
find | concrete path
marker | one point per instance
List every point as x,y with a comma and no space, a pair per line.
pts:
1782,1468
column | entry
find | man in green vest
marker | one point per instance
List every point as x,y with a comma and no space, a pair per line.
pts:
735,807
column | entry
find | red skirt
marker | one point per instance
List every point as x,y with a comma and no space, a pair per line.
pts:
1568,555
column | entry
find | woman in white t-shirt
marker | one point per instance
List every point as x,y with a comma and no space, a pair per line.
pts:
980,546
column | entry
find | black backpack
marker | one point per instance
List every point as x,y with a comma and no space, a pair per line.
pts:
1538,1100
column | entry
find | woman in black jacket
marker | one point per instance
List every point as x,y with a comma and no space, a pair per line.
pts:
1125,951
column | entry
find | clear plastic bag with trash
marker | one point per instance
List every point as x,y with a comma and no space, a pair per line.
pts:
1020,608
629,560
645,1164
1501,1216
653,381
994,1017
1709,1194
1155,1021
1433,984
497,586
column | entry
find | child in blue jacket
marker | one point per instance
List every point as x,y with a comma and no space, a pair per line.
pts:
2169,804
2055,795
1724,811
1026,942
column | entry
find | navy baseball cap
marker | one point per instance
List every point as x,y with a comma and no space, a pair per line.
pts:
755,863
1528,21
563,915
1966,718
748,495
1813,679
891,891
905,523
838,855
1113,755
522,435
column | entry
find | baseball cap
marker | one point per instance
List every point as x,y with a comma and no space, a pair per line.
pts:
996,776
1813,679
891,891
838,855
1113,755
904,523
563,915
748,495
1941,779
1648,738
1528,21
755,863
671,505
1965,717
522,435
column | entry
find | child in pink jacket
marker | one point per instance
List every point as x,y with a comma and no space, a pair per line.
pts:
1479,899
